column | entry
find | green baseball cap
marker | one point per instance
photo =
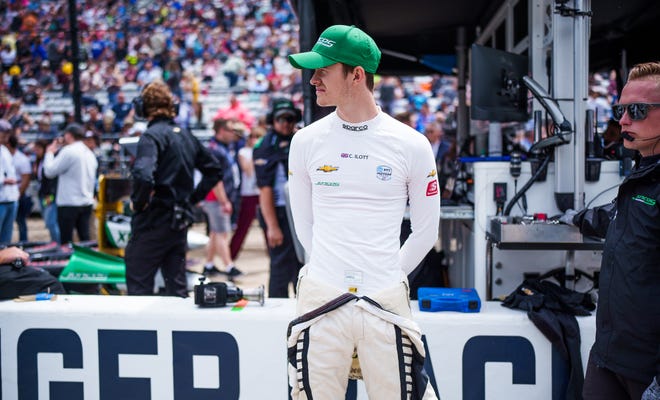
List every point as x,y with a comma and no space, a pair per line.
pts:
340,44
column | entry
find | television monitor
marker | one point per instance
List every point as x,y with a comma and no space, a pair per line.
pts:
498,92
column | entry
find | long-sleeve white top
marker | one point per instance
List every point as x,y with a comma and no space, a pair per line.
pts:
348,186
75,168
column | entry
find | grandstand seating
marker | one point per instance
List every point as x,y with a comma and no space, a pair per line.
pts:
214,96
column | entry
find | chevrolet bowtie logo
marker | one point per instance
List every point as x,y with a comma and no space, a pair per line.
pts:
327,168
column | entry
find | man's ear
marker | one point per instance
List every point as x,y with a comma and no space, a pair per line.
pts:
358,74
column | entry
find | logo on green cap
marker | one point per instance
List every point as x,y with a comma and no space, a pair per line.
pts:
325,42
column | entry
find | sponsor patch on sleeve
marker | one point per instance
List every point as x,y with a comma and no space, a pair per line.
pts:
432,188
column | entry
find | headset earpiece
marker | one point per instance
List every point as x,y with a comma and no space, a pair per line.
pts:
138,106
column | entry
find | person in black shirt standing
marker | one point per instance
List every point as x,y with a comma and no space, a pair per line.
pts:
624,362
163,194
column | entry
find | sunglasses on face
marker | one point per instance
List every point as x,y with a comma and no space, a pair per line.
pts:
288,118
636,111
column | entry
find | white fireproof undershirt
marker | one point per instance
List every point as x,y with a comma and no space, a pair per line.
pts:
348,186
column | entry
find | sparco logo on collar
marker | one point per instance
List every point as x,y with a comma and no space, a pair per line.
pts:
325,42
355,128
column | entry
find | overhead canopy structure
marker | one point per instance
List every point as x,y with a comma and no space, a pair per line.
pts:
622,31
421,37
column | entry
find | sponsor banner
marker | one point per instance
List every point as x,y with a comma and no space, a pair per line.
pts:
119,347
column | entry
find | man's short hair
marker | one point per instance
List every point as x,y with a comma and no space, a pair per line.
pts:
235,126
76,130
645,71
13,141
219,124
42,143
369,77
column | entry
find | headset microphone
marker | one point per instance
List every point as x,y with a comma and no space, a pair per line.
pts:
629,138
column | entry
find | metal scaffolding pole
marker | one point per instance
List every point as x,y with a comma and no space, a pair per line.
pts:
75,55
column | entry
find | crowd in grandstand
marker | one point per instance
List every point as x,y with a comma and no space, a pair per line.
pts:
187,44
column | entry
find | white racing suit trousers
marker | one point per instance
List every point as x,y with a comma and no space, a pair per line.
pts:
333,326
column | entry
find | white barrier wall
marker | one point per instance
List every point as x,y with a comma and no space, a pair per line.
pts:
121,347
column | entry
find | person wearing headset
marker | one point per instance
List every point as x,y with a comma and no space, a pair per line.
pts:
624,362
163,194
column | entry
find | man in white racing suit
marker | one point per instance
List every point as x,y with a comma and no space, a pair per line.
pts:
351,175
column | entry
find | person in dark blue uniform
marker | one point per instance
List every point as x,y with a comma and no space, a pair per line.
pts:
163,194
271,167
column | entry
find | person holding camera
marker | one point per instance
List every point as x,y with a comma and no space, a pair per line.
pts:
163,194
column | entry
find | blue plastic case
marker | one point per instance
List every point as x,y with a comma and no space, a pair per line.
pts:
448,299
